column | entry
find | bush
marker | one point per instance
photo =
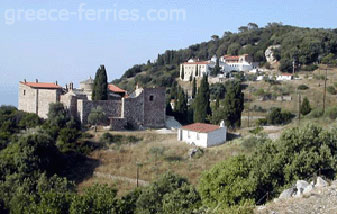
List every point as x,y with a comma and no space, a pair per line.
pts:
305,107
303,87
278,117
332,112
316,113
310,67
332,90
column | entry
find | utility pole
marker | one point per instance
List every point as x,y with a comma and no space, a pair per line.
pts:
299,108
324,95
293,67
248,102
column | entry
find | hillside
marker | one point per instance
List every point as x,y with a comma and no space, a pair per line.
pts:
304,45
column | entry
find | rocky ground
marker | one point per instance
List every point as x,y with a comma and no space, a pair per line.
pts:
318,201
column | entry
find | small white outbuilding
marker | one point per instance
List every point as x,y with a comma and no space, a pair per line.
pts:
203,135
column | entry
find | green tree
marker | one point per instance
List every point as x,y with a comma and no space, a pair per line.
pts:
305,106
182,75
96,199
151,199
100,88
182,200
228,183
194,88
97,117
202,107
233,104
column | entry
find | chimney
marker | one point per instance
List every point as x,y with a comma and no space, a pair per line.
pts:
66,87
56,82
25,80
71,85
36,80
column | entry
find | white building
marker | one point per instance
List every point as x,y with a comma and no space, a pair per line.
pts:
194,68
284,76
227,63
203,135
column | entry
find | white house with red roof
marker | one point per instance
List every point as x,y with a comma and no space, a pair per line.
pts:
284,76
203,135
195,68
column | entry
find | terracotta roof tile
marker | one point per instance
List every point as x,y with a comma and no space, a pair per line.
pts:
201,127
114,88
50,85
199,62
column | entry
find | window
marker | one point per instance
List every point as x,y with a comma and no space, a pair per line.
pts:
24,92
151,98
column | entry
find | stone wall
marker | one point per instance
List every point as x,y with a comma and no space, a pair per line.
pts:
154,107
27,99
112,108
117,123
134,110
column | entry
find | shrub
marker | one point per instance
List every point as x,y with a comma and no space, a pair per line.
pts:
310,67
305,107
278,117
303,87
332,112
332,90
316,113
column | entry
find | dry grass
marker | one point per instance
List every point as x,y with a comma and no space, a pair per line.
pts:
314,94
122,160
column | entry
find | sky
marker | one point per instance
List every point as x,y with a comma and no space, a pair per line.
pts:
66,40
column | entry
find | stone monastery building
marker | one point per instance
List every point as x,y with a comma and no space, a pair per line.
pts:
145,107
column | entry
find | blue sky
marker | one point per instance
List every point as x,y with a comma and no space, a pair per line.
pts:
73,50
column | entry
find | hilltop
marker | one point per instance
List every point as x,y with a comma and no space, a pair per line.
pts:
304,45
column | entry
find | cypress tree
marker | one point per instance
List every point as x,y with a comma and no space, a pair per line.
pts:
194,87
234,104
182,72
202,104
100,88
217,103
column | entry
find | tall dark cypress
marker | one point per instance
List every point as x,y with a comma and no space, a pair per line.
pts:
194,88
100,88
202,104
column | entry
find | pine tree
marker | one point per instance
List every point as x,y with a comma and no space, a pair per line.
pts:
100,88
202,107
194,88
305,107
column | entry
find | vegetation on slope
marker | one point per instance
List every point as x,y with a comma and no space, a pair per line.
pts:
304,45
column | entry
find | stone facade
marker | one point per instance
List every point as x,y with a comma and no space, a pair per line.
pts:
112,108
144,108
35,97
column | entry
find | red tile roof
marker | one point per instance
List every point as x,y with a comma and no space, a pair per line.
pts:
287,74
49,85
230,57
114,88
199,62
201,127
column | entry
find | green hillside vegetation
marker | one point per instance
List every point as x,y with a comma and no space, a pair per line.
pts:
304,45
